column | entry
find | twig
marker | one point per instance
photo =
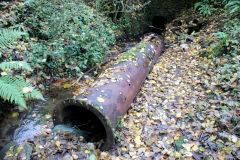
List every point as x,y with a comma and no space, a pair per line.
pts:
96,66
80,77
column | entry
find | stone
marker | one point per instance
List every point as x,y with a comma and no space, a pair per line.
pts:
226,136
189,39
238,154
213,145
67,157
177,23
91,146
64,128
229,157
198,156
185,47
6,148
202,40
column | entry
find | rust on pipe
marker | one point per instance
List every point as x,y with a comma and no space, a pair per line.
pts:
100,108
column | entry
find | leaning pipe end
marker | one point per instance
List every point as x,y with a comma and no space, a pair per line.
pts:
86,117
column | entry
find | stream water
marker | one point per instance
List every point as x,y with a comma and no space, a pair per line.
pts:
21,126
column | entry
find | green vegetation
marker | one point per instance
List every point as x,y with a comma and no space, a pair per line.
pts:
225,52
8,36
124,13
14,88
65,38
204,8
131,55
233,7
71,36
181,111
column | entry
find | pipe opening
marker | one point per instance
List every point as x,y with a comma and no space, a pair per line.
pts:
85,121
158,24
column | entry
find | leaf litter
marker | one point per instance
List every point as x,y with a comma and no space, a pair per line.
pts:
174,116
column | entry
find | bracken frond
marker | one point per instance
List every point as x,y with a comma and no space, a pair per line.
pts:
7,36
10,90
15,65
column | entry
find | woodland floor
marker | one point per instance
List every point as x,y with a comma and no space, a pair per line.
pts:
175,114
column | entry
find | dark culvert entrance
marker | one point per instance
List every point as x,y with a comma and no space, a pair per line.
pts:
82,118
89,124
158,24
86,120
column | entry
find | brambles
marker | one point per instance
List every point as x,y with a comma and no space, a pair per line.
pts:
70,36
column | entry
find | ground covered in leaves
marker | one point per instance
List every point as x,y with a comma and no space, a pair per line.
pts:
180,112
176,114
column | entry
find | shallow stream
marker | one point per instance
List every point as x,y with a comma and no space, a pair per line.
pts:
21,126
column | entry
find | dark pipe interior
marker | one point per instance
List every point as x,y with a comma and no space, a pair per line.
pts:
84,120
158,24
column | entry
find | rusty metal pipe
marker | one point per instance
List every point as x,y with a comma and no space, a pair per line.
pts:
99,110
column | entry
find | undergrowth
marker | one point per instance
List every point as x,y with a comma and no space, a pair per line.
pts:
13,87
127,14
70,36
225,51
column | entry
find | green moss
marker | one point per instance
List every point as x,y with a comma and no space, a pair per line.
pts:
119,122
80,100
132,53
108,121
128,57
148,55
96,106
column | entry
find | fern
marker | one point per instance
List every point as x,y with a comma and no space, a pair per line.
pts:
7,36
233,7
197,5
204,8
9,90
33,92
15,65
13,89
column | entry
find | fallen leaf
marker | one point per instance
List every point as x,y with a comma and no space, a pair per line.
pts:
228,149
237,144
19,149
176,137
87,151
14,114
66,85
47,116
74,156
137,140
201,149
27,90
58,144
101,100
194,147
213,137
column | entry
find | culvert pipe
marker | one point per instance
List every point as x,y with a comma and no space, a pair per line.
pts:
98,111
